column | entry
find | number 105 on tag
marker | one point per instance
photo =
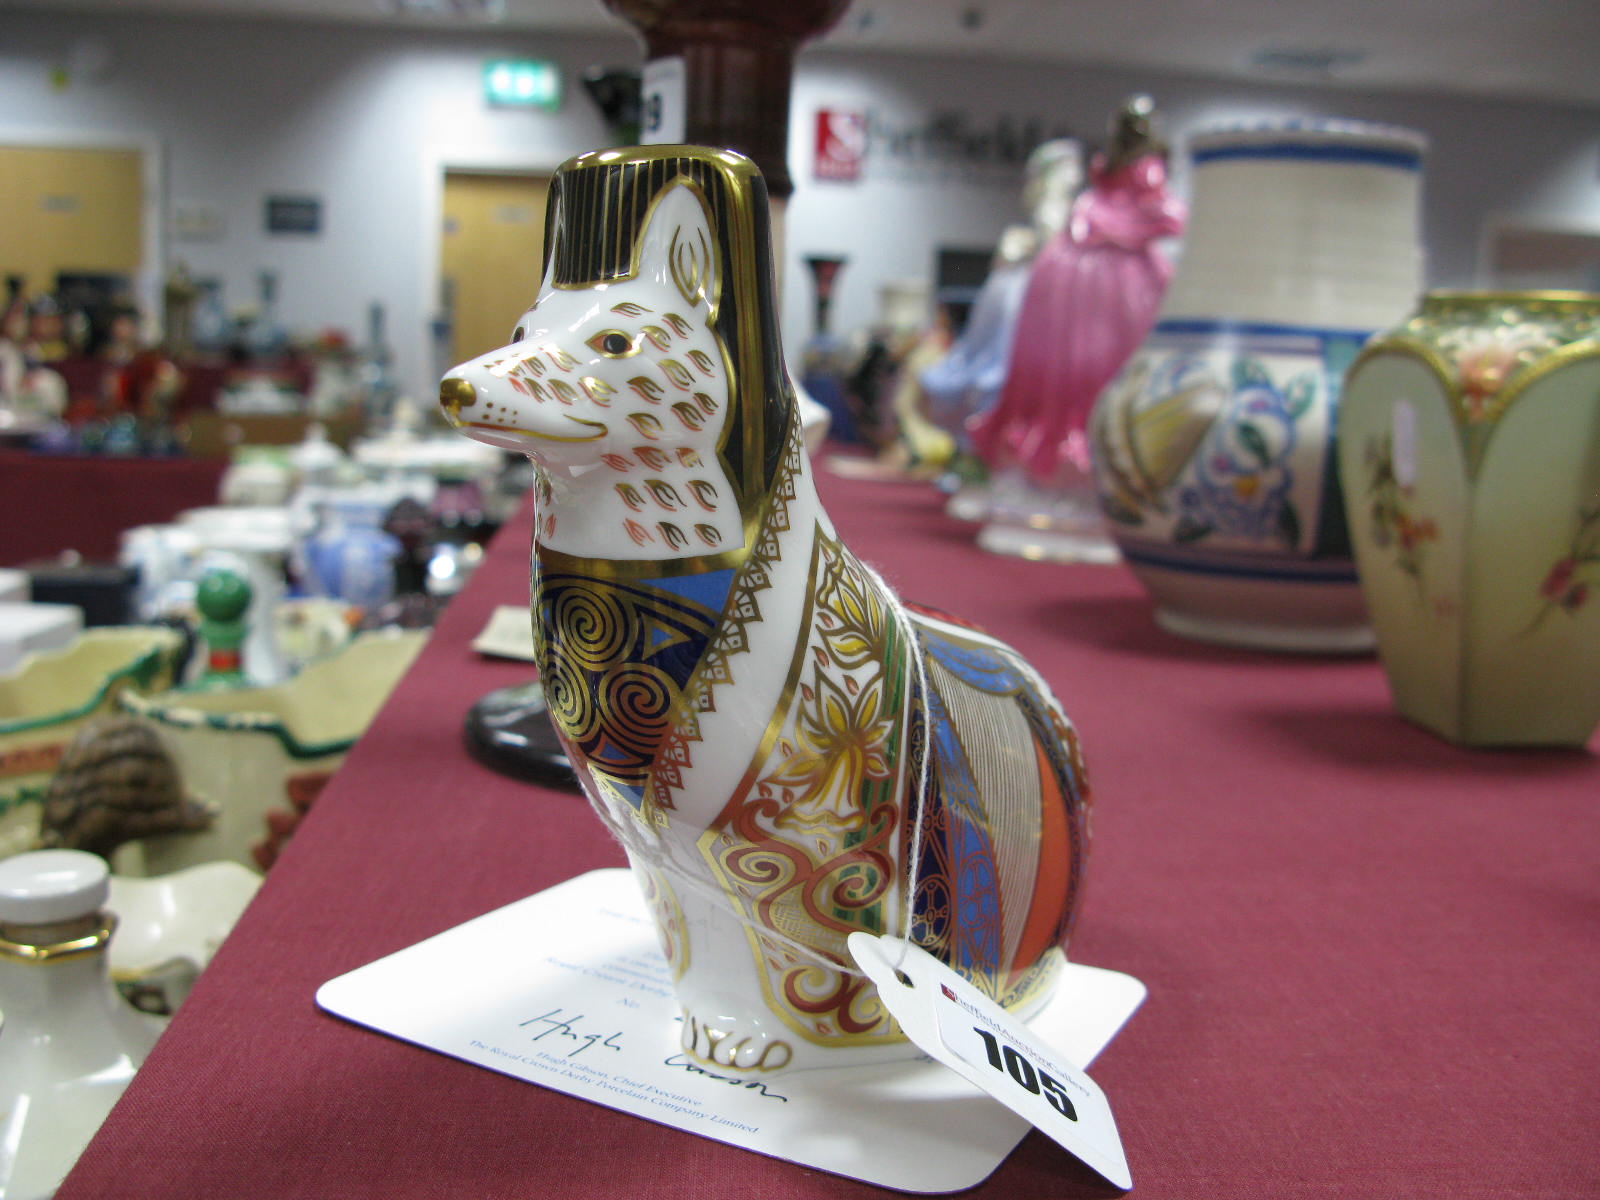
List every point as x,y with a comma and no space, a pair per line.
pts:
1013,1062
1023,1074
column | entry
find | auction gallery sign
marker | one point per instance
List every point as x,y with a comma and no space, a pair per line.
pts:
853,143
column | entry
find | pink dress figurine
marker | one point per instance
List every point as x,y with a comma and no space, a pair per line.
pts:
1092,297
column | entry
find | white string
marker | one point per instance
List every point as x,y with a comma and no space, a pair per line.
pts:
924,769
660,853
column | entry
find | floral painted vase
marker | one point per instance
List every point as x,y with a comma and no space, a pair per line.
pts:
1470,459
788,752
1213,449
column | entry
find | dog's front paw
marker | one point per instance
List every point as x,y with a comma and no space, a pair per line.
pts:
727,1035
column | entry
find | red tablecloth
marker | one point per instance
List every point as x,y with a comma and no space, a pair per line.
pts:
50,503
1373,959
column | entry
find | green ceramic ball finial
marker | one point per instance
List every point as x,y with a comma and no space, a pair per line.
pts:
223,598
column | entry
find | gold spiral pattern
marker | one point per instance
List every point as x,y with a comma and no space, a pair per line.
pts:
635,702
571,703
594,625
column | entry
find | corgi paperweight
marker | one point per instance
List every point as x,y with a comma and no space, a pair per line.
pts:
788,752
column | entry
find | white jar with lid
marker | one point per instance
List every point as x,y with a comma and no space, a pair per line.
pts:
68,1044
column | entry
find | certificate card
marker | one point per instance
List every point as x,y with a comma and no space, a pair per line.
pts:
567,989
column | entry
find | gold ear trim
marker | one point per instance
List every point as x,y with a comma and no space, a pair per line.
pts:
691,267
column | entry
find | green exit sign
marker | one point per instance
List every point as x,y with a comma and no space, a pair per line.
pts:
522,83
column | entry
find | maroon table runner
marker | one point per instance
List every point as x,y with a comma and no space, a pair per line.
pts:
1373,958
51,503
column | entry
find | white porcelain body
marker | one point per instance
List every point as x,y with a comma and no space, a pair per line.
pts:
745,703
815,419
68,1044
68,1048
1214,449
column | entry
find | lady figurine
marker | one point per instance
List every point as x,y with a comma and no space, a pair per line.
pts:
966,382
1092,296
787,752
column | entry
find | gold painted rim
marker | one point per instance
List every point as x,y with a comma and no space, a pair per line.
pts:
57,951
1466,296
1409,347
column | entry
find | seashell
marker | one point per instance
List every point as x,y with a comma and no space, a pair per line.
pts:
117,783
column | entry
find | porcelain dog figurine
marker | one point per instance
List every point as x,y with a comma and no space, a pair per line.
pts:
777,741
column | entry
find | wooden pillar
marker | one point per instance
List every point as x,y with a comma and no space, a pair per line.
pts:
738,67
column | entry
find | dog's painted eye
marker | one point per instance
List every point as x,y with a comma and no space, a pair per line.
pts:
518,334
613,343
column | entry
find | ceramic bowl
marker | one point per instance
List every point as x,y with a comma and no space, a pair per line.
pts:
168,927
260,754
50,697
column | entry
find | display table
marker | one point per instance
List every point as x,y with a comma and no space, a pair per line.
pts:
1373,959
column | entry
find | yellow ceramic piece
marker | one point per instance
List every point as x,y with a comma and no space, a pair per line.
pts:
1469,454
260,754
50,697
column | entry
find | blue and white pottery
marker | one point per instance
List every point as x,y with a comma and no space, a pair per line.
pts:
1214,449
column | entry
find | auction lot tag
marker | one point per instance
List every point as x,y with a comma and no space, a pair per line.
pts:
952,1021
